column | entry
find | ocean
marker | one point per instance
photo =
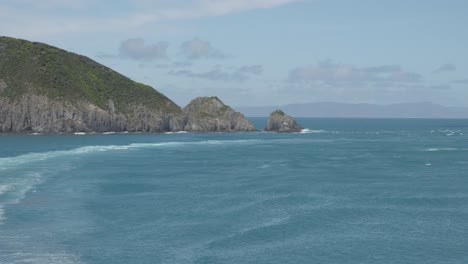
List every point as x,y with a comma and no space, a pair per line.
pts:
342,191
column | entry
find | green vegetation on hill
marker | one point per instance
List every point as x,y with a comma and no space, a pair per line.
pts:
37,68
207,107
278,113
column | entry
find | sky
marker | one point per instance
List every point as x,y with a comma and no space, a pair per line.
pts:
265,52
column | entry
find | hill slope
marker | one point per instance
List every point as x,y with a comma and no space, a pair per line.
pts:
46,89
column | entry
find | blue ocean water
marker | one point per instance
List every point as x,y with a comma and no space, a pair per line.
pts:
343,191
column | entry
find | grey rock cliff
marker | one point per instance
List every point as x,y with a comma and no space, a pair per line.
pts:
3,86
281,122
40,114
209,114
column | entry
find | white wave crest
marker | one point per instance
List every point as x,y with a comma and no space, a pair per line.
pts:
178,132
2,213
310,131
440,149
9,162
4,188
16,190
43,258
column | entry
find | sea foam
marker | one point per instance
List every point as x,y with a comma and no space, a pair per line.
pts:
441,149
310,131
9,162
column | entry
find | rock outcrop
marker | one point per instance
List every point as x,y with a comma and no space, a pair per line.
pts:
281,122
209,114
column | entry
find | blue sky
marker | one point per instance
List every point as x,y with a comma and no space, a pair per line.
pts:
265,52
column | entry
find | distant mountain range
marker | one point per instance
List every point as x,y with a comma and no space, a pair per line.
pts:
331,109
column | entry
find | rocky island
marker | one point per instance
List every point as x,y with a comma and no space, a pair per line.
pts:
281,122
208,114
44,89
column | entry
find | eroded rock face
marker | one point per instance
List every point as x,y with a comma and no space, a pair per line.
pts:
3,86
209,114
281,122
39,114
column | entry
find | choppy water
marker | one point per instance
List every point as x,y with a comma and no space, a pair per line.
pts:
344,191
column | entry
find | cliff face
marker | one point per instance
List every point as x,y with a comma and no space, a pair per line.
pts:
209,114
39,114
281,122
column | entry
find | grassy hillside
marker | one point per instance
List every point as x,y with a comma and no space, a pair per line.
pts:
31,67
206,107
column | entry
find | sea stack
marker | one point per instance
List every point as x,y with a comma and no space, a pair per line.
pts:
281,122
210,114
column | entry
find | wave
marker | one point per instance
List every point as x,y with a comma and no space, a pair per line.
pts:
41,257
8,162
443,149
448,132
309,131
2,213
3,189
178,132
14,191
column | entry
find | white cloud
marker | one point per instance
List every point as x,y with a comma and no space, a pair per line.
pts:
53,4
198,49
445,68
332,73
220,73
462,81
30,18
137,49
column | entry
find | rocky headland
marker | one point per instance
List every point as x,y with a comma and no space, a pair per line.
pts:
44,89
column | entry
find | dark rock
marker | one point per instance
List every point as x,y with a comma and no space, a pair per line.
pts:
281,122
209,114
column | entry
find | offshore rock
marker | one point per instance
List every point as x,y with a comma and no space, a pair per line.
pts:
210,114
281,122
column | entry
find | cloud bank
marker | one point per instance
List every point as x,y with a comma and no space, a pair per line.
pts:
220,73
136,49
445,68
198,49
332,73
28,18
